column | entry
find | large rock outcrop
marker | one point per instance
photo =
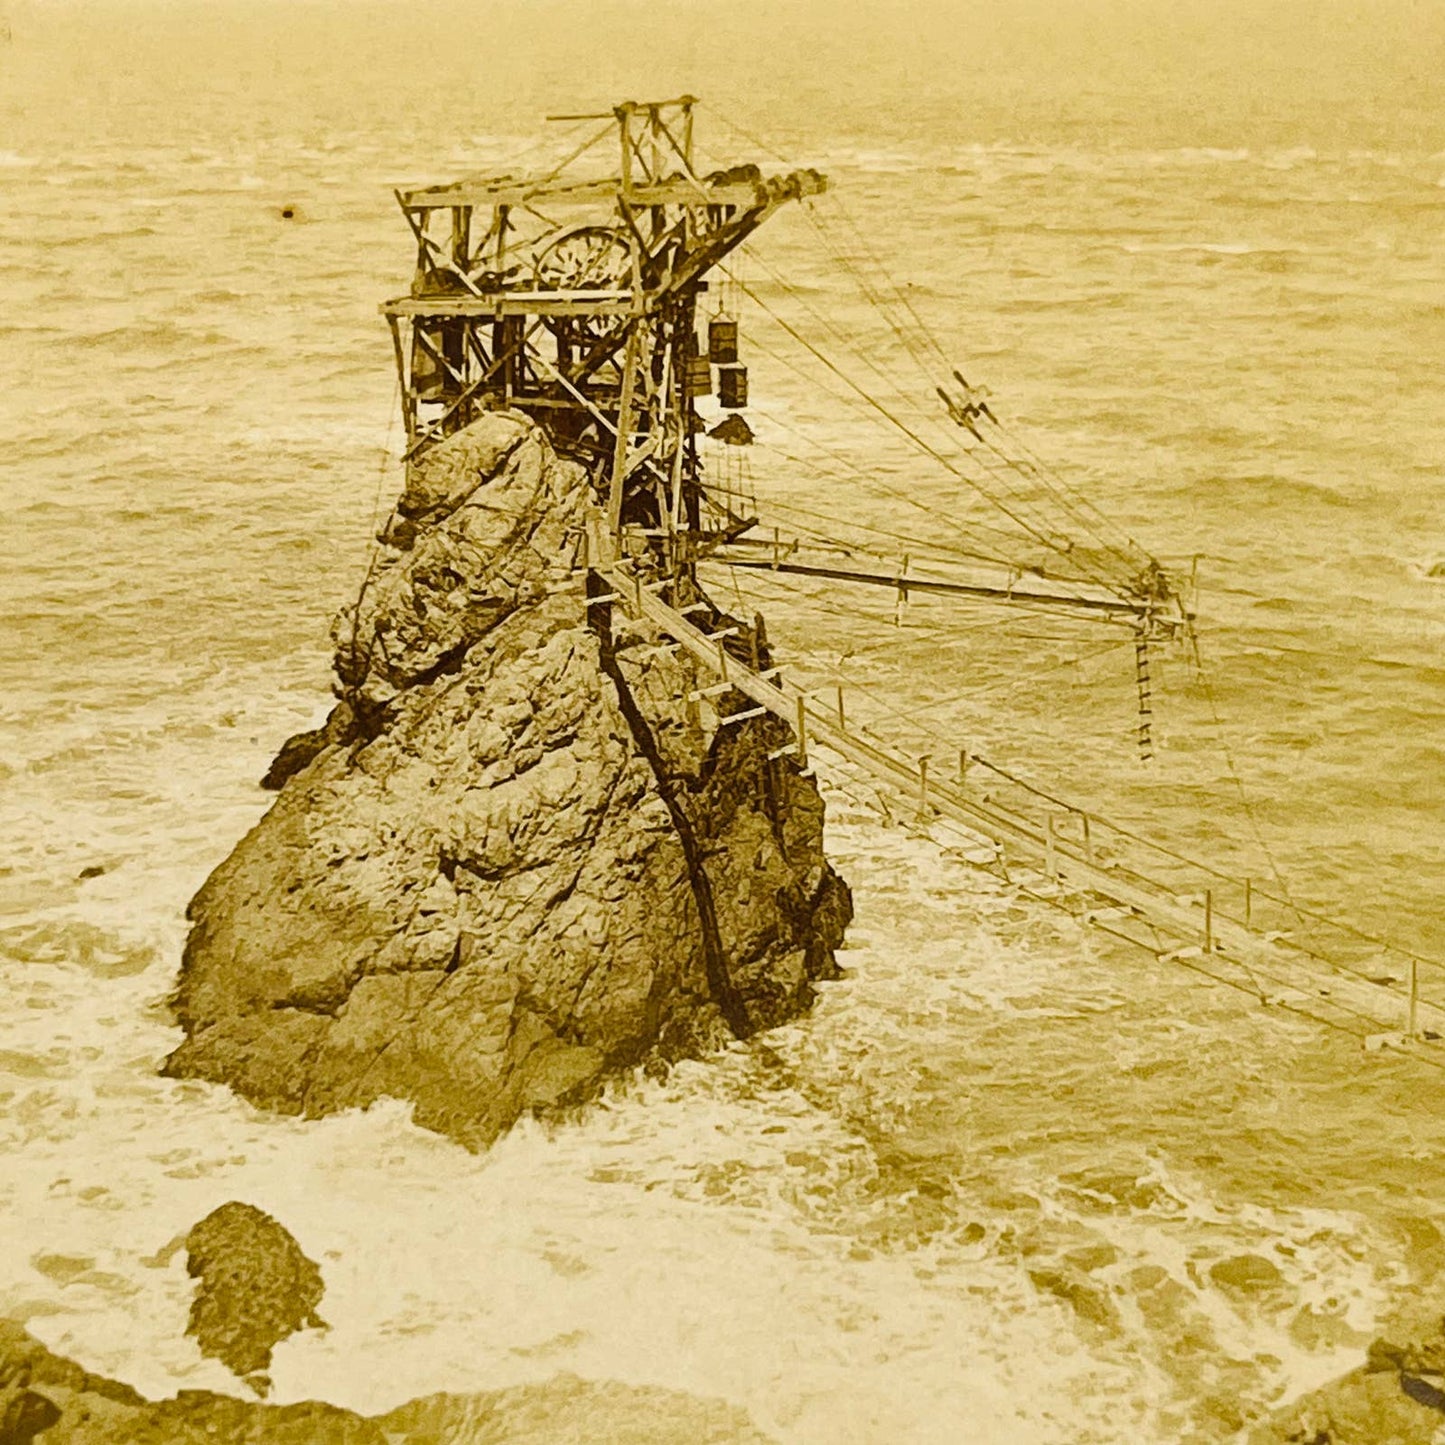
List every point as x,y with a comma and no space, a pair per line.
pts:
516,857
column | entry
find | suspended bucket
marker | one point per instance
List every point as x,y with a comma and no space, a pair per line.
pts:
722,341
732,386
697,376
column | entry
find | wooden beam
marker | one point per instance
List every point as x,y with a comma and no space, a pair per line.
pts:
408,401
679,191
519,303
1110,605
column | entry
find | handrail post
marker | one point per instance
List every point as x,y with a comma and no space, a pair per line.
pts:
1413,1020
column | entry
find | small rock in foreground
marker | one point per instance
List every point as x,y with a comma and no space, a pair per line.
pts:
255,1287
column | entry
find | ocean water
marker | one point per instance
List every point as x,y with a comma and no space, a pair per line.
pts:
981,1192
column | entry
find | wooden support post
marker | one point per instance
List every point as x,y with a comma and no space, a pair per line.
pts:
408,399
630,364
624,122
1412,1023
841,720
599,609
1248,903
802,731
923,812
1051,848
462,237
1088,842
963,765
1209,920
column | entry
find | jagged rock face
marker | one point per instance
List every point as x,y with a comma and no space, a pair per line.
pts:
254,1287
516,857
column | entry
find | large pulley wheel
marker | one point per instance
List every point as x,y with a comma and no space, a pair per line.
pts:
589,258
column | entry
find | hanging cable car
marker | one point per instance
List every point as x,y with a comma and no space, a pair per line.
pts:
697,376
722,340
732,386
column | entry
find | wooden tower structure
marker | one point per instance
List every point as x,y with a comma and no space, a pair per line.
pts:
575,300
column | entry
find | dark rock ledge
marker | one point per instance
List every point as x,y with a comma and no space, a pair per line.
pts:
1396,1397
52,1401
516,858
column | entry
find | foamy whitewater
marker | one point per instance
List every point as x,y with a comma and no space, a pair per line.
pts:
977,1194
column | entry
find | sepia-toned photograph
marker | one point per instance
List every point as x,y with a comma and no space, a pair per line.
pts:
721,722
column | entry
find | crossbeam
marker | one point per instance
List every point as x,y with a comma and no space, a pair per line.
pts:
671,192
900,582
517,303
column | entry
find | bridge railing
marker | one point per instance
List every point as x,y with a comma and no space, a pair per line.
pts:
1223,926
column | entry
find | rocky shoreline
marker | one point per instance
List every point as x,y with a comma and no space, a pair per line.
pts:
48,1398
1396,1397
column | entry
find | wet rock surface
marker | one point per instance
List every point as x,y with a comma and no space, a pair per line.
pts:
73,1407
254,1287
1397,1397
517,857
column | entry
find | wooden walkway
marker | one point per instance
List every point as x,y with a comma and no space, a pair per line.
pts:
1223,928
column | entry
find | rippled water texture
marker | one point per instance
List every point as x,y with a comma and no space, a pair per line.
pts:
1007,1177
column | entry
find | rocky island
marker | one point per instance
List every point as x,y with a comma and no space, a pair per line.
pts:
521,855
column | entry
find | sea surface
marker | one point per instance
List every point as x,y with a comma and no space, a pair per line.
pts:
998,1186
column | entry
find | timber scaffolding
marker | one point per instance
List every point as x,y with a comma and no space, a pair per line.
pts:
575,301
